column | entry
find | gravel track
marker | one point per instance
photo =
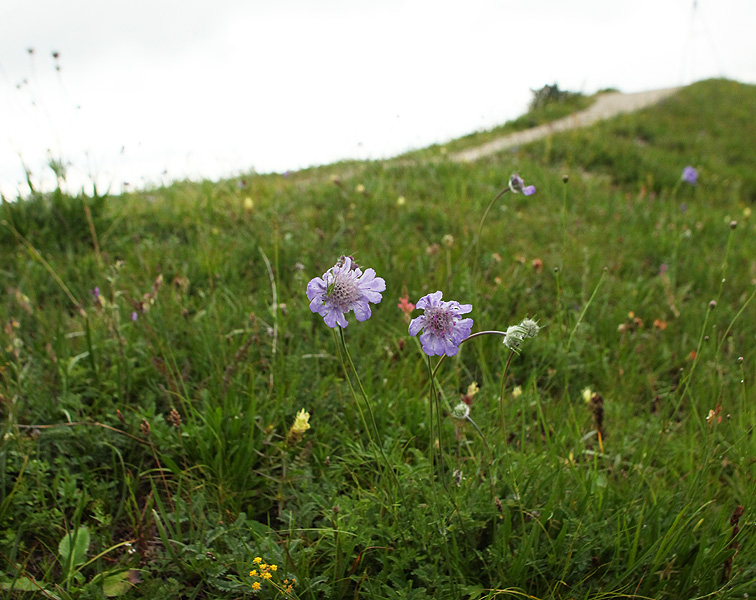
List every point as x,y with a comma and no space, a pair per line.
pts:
606,106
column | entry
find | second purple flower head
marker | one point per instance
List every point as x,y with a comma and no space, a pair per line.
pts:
443,330
690,175
517,185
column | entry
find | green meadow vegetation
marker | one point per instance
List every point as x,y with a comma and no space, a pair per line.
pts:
158,346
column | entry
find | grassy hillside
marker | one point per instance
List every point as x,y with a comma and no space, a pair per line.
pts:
158,346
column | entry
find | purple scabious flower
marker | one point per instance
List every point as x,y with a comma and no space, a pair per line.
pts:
690,175
517,185
343,288
443,331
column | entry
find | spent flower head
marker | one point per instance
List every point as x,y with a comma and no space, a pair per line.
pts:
461,411
513,337
517,185
443,330
690,175
343,288
531,327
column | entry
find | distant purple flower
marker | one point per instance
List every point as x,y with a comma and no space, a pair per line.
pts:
690,175
343,288
517,185
443,331
134,316
95,294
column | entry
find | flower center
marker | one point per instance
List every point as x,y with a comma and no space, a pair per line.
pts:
439,320
343,291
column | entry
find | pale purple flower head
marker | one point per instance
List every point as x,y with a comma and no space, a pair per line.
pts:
690,175
443,330
342,288
517,185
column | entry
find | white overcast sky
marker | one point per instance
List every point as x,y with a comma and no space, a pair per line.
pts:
154,90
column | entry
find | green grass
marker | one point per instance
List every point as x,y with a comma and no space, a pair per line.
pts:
103,491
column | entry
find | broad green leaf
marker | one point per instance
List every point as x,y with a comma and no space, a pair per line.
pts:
115,583
73,547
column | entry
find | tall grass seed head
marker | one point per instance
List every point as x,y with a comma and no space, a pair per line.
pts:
517,185
442,329
344,288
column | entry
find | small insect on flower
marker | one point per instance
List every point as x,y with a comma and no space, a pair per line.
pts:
517,185
690,175
443,331
343,288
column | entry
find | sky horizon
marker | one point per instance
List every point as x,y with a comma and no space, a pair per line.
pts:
148,93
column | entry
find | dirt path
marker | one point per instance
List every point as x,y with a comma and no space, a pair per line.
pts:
606,106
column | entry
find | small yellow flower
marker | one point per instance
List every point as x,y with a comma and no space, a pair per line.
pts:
472,389
301,424
264,567
274,567
256,585
587,394
249,204
400,201
253,573
517,392
360,189
266,575
257,560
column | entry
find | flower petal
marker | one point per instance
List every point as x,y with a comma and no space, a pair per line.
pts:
416,325
361,310
315,287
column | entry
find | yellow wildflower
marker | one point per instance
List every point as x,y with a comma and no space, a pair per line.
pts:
266,575
274,567
256,585
257,560
472,389
253,573
301,424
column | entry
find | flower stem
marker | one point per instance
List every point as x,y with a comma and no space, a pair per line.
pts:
501,391
480,228
379,443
